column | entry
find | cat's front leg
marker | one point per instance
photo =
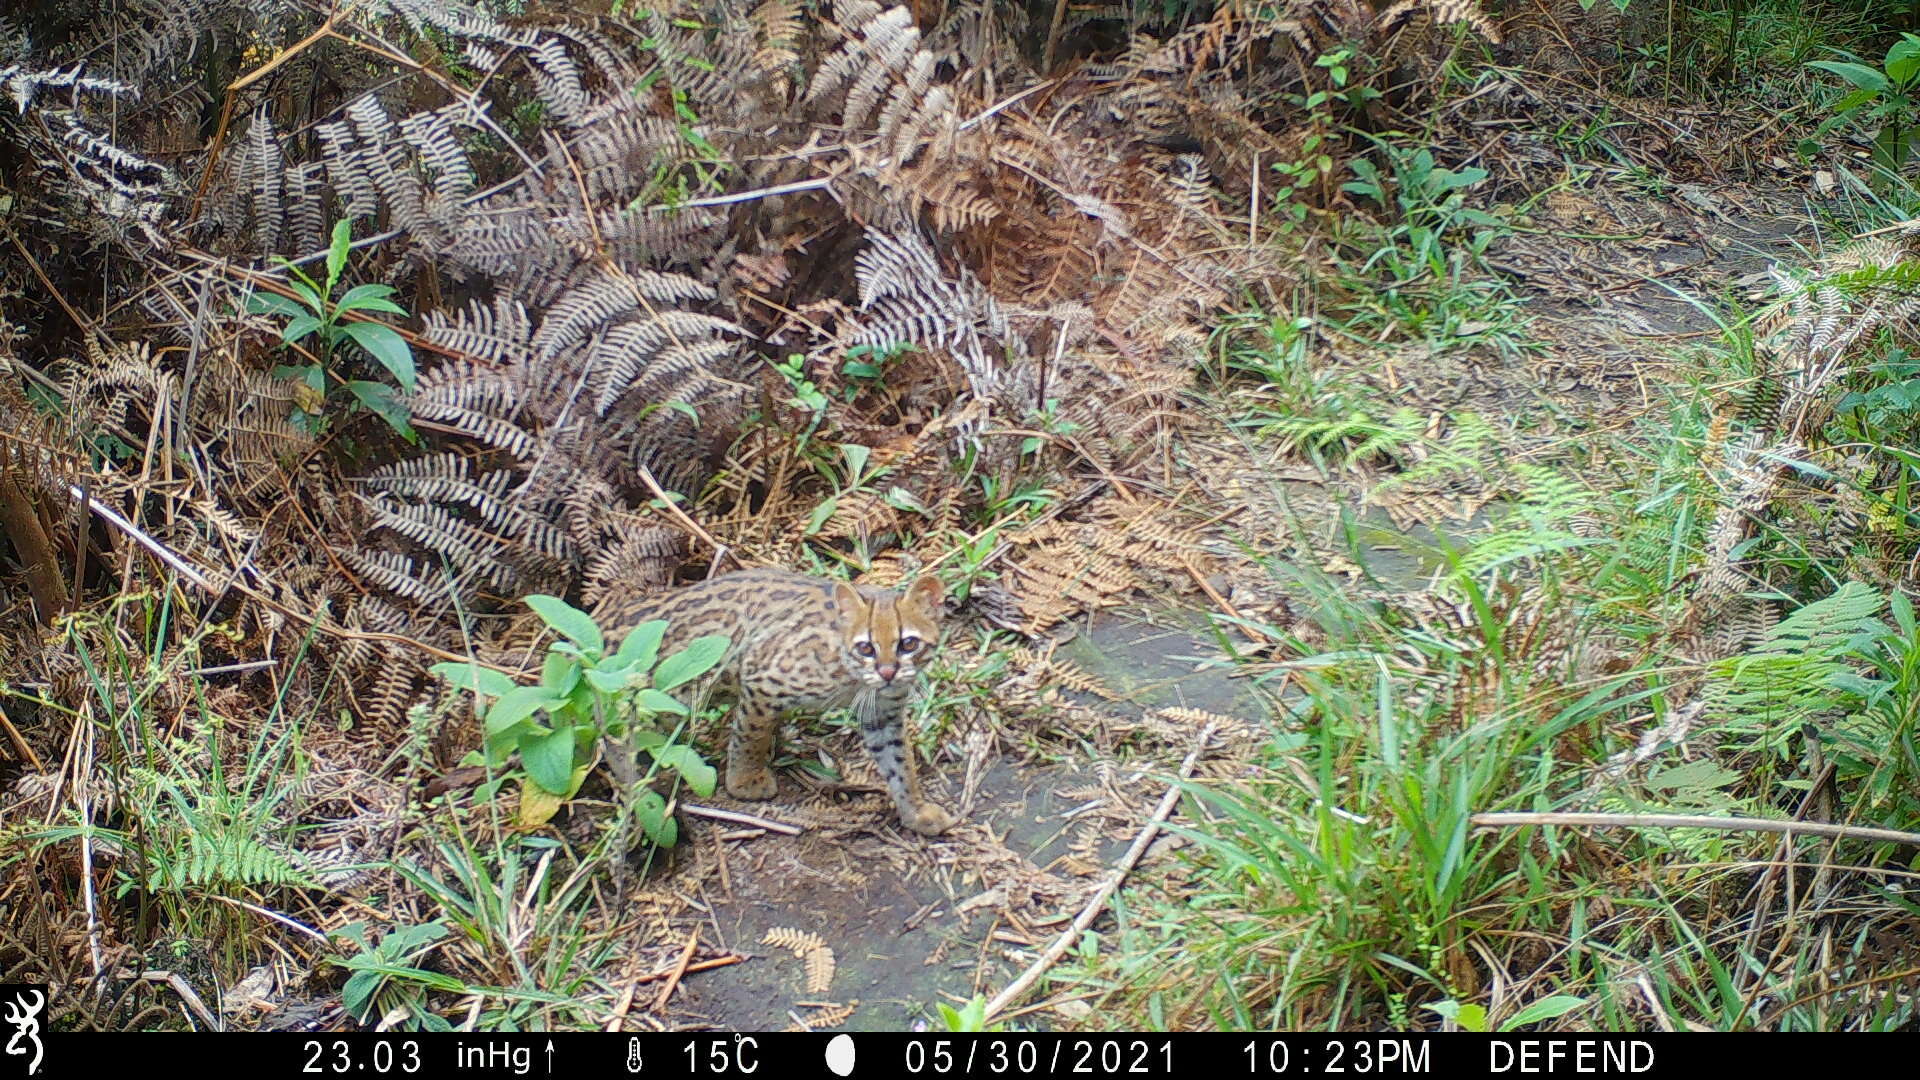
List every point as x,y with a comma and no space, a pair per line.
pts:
884,735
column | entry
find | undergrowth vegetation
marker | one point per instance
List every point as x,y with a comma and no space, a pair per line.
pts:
346,399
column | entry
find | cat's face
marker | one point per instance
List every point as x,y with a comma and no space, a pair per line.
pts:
888,635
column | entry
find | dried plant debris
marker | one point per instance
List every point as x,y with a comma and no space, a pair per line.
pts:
819,969
798,942
823,1015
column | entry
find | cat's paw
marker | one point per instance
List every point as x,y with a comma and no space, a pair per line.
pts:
754,784
929,820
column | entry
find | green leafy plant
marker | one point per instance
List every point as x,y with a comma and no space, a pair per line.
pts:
1436,228
1312,164
969,1017
387,976
807,395
1896,400
313,311
1474,1017
872,361
1049,421
1882,97
1423,271
584,694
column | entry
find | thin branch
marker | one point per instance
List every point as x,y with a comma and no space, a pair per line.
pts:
741,819
1098,903
1507,820
186,994
679,969
138,536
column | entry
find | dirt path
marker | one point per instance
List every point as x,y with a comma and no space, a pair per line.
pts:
911,922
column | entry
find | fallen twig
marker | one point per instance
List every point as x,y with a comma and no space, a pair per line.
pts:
20,744
742,819
679,969
1696,821
1098,903
283,920
704,965
186,994
139,536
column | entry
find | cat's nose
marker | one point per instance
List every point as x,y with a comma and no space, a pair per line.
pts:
887,671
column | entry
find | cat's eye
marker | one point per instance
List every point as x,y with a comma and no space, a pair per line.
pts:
864,648
909,643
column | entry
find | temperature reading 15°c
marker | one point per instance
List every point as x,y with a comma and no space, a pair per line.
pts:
737,1056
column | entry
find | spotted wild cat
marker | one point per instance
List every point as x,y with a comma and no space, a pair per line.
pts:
810,644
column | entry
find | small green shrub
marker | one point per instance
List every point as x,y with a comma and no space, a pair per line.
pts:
316,312
585,694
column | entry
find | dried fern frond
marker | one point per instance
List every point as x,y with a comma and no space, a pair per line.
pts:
799,942
820,968
1443,13
908,298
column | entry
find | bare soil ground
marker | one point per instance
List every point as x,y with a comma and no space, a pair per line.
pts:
911,921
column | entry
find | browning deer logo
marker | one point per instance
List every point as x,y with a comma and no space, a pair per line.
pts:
23,1012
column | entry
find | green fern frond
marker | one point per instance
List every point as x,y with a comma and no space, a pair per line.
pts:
1801,668
225,860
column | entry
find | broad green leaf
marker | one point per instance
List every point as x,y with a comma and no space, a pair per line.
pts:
901,499
568,621
337,251
537,805
499,744
357,995
387,346
308,294
560,673
1849,104
370,298
856,456
654,701
405,939
1859,75
474,677
607,681
691,662
298,327
1469,1017
266,303
821,513
1699,776
641,646
381,400
355,932
432,979
549,758
1903,60
581,695
683,759
651,811
1545,1009
519,703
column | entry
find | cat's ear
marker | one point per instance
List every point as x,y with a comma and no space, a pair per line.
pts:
926,593
847,599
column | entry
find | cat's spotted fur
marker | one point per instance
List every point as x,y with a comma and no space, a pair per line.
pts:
810,644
